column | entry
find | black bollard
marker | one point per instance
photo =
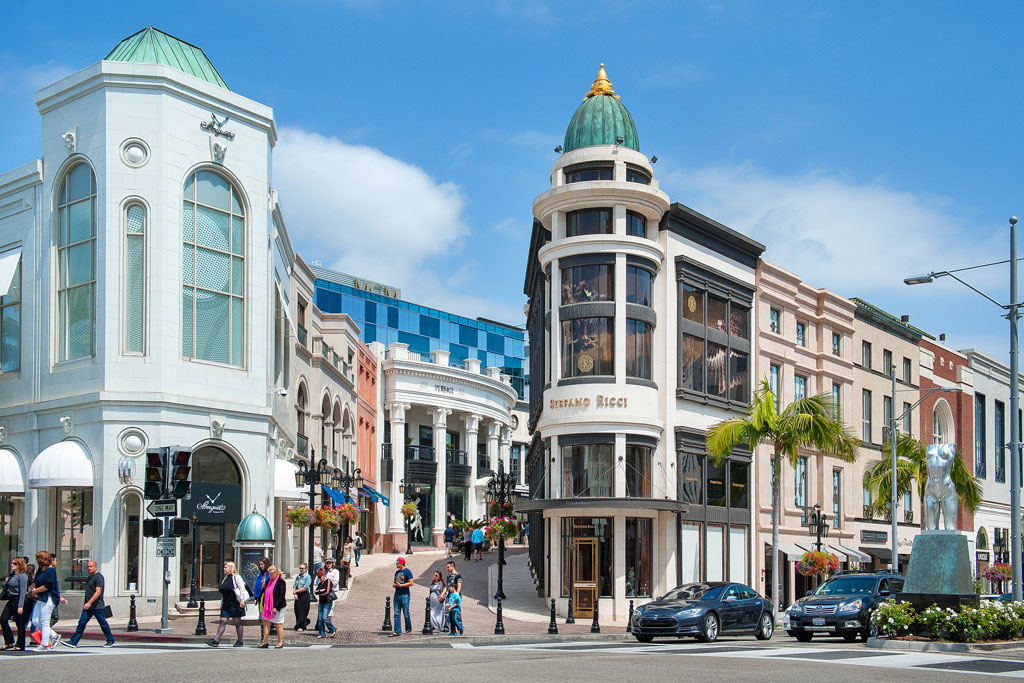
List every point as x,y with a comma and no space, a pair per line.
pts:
133,625
553,627
569,618
386,626
428,629
201,624
499,625
595,627
629,619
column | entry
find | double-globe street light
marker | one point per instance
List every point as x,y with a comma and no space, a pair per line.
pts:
1013,315
501,491
817,524
313,475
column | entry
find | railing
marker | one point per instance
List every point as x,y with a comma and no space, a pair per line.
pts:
455,457
302,334
867,512
425,453
326,350
887,516
385,450
386,463
302,445
483,462
908,516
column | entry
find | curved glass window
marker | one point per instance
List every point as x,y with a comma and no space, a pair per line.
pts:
587,470
577,174
135,279
213,267
639,471
714,345
76,265
588,347
638,285
636,224
10,324
639,335
588,222
593,282
635,174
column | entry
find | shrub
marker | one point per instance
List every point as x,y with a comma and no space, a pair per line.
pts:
893,618
990,621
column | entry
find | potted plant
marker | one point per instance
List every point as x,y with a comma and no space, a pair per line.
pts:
326,517
998,572
817,563
347,513
500,527
409,510
300,516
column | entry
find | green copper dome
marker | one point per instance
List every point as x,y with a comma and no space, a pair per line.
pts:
153,46
254,527
601,119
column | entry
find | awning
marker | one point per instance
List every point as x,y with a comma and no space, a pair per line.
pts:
11,480
837,552
9,261
883,554
284,481
338,497
375,495
540,504
790,550
287,311
65,463
854,555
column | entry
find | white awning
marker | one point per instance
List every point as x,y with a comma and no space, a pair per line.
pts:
838,552
65,463
791,550
8,264
284,481
855,555
11,480
287,311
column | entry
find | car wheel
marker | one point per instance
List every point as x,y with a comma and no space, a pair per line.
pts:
710,634
850,637
803,636
644,639
869,632
765,627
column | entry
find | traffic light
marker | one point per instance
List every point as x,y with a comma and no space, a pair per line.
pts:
156,473
153,528
179,526
181,471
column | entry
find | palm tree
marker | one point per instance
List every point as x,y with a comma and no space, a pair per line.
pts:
911,465
805,423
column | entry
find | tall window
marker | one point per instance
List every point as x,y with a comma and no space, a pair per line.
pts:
886,416
135,279
800,487
837,498
906,419
588,222
639,333
773,384
906,370
980,439
799,388
593,282
76,265
801,334
865,355
714,345
213,267
639,471
638,285
887,368
999,447
587,470
131,556
836,339
865,426
837,409
10,323
639,557
636,224
775,320
588,347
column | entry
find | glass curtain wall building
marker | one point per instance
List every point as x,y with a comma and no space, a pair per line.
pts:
384,317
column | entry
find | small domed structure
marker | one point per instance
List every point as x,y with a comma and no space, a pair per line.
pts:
254,528
601,120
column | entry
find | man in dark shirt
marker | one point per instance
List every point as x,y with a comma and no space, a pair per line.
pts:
402,584
454,580
93,607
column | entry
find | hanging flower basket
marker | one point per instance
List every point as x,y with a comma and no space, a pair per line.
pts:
997,572
500,527
496,510
300,516
326,517
347,513
815,563
409,510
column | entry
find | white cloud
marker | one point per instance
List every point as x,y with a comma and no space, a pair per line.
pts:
512,226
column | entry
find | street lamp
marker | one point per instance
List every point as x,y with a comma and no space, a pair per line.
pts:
501,489
1013,315
817,524
313,475
347,481
408,520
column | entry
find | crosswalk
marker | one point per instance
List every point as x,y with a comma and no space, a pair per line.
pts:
888,659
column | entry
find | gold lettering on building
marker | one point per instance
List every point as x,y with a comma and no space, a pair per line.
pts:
377,288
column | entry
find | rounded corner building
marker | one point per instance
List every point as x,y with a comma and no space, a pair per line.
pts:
641,316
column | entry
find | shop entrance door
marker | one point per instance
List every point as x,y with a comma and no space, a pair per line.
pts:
584,580
213,552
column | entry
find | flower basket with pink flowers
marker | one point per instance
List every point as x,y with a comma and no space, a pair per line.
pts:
817,563
326,517
347,513
300,516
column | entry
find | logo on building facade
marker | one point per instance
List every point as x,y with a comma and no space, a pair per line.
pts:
214,126
378,288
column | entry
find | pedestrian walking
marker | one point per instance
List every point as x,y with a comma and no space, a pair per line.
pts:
30,601
93,607
401,584
332,574
325,600
234,595
300,592
453,603
348,553
453,582
467,543
260,584
318,556
449,540
478,543
437,587
358,547
274,605
15,593
47,594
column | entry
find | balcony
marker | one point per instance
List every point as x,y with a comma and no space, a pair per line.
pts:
455,457
424,453
302,335
302,445
387,465
867,512
908,516
483,465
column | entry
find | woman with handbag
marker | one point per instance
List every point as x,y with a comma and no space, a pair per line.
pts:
273,607
325,600
14,593
232,604
47,595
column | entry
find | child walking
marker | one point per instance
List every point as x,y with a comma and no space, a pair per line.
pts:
454,607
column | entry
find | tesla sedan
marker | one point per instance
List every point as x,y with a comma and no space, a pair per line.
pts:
704,610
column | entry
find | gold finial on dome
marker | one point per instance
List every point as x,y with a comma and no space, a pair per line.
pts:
601,86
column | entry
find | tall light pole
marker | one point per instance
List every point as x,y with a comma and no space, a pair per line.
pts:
313,475
1013,315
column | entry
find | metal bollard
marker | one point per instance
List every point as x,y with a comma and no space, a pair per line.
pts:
569,618
386,626
428,629
201,624
553,627
629,619
595,627
133,625
499,625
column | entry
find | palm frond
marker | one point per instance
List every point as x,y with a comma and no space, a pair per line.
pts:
968,487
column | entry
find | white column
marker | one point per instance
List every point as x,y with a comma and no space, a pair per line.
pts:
472,423
554,468
326,439
440,416
397,410
554,349
522,465
619,469
493,435
506,447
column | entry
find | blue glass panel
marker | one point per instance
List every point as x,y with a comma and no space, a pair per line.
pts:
352,307
517,363
468,336
435,344
482,355
495,343
514,347
430,327
392,317
371,312
416,342
408,321
369,333
392,336
458,352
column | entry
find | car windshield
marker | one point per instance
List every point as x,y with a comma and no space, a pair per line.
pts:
847,585
694,591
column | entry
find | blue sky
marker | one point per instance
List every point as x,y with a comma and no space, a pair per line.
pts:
861,142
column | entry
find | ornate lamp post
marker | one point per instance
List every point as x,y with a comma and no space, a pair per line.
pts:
818,524
348,481
501,490
408,520
312,475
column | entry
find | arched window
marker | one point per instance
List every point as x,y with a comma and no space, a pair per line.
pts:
938,426
76,264
213,267
135,278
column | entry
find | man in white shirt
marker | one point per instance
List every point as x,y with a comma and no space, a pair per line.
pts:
318,556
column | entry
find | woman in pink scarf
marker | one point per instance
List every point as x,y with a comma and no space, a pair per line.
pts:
273,607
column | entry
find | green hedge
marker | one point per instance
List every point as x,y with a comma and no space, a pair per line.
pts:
991,621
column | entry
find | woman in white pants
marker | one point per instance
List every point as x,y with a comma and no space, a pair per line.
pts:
46,593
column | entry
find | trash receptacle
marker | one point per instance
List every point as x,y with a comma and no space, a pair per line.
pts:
343,576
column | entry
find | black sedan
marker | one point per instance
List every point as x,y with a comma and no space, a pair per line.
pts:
704,610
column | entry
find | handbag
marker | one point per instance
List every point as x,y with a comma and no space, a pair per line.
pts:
107,612
332,596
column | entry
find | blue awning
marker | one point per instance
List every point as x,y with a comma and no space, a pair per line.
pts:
337,497
376,495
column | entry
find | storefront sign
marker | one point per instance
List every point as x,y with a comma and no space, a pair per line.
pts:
444,389
868,536
214,126
214,503
982,555
599,401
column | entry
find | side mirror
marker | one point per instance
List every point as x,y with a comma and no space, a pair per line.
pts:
883,592
730,598
809,593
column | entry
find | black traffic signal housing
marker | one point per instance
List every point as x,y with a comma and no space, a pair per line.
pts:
153,528
156,474
180,463
179,526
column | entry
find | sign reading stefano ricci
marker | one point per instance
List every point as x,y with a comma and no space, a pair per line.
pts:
599,401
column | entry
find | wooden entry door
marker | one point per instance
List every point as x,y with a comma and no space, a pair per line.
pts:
585,577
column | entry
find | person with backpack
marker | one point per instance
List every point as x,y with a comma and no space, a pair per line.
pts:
358,547
234,595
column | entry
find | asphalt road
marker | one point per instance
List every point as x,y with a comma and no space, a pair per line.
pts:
576,661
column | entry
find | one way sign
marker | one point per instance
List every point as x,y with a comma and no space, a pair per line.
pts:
163,508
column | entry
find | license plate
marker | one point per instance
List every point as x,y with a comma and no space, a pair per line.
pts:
816,628
818,621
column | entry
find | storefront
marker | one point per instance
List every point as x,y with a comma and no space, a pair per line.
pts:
12,506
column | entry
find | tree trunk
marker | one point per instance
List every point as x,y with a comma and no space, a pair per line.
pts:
776,506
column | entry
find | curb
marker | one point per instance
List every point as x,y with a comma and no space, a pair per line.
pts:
524,639
922,646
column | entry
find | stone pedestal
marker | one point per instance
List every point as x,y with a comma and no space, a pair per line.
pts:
939,572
